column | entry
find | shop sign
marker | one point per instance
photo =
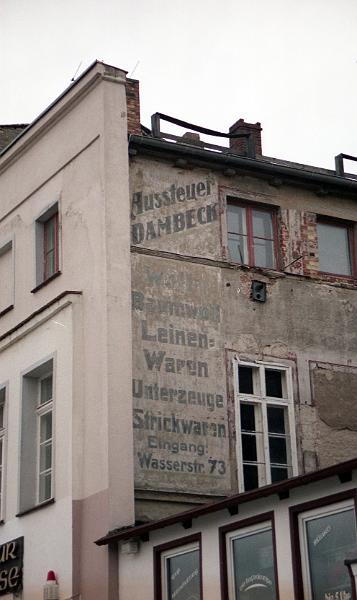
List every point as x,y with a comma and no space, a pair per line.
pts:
11,564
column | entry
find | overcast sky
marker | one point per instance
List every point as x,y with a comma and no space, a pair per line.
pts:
290,64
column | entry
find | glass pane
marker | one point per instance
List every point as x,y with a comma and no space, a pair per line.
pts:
277,449
279,474
49,232
264,253
46,389
1,445
330,540
334,253
45,487
245,379
46,456
249,447
253,560
50,267
273,383
183,576
262,224
276,419
236,219
237,246
247,417
250,474
46,427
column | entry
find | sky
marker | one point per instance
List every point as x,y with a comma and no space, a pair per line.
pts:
289,64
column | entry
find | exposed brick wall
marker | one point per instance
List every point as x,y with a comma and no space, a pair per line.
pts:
133,106
310,243
239,145
292,246
8,133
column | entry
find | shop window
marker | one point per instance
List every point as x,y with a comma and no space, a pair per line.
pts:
265,425
335,243
36,468
250,563
47,245
179,567
327,537
251,235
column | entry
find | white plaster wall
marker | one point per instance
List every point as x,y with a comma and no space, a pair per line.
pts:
132,587
76,155
48,531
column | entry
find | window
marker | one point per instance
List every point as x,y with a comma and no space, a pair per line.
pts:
251,235
36,467
6,277
265,425
327,537
44,433
250,562
47,245
335,242
2,448
179,566
50,246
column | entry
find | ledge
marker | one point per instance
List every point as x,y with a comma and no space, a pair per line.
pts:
6,310
45,282
35,508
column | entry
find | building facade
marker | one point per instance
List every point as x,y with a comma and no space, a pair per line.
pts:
177,325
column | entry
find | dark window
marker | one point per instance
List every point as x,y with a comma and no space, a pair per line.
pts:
251,235
335,242
245,376
273,383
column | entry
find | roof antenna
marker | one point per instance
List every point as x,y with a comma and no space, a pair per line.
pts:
134,69
74,76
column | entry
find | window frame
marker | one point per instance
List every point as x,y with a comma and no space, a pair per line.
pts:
349,227
31,413
42,410
6,246
228,533
249,206
263,401
167,550
3,440
307,507
42,222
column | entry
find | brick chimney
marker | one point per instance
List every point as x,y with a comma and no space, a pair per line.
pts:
133,106
240,145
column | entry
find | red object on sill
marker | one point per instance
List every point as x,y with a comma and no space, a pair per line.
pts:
51,576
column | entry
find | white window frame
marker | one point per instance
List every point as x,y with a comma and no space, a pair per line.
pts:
241,533
3,440
43,409
303,518
263,401
171,553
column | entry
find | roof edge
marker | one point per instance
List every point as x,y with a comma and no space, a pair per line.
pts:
269,490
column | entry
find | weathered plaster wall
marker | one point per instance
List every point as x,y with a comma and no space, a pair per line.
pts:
192,311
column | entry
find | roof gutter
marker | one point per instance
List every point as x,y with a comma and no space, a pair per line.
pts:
159,147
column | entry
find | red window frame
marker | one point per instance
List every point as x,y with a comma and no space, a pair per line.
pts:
349,227
49,252
249,235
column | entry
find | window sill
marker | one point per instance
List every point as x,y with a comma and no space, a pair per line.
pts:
37,507
45,282
6,310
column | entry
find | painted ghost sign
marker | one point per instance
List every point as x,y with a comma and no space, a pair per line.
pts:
179,396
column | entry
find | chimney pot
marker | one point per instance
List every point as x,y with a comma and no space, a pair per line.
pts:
240,145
